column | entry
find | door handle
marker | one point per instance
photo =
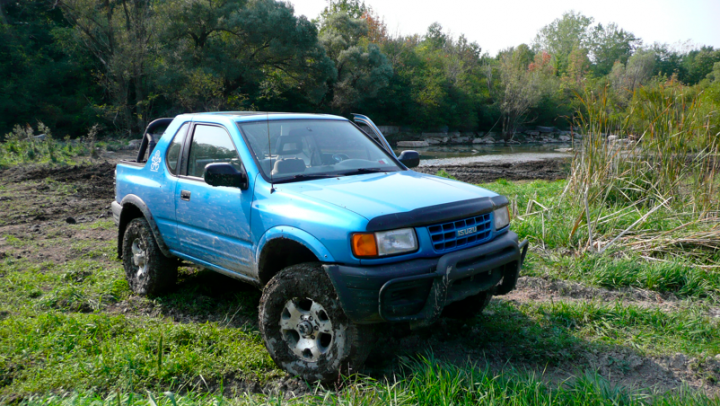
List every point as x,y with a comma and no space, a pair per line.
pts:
185,195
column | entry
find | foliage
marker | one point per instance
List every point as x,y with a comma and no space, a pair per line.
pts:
560,37
38,79
610,44
23,146
122,63
523,87
362,70
626,78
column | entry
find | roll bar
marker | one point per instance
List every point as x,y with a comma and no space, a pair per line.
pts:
147,140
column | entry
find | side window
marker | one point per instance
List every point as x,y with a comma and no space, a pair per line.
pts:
173,152
211,145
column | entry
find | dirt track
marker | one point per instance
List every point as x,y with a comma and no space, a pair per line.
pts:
43,201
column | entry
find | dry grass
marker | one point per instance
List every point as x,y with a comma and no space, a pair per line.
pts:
654,166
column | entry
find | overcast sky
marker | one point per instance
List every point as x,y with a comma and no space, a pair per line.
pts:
499,24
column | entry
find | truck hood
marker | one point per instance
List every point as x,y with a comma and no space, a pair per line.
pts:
372,195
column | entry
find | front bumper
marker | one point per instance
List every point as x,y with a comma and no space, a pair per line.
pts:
419,289
116,210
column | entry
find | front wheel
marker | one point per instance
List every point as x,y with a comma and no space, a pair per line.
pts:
305,329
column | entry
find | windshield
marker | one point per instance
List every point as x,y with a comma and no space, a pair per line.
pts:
304,149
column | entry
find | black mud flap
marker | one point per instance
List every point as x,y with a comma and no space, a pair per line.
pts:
510,278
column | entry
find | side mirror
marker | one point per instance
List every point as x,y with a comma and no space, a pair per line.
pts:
411,159
223,174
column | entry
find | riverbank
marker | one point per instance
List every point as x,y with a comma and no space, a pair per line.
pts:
490,169
543,135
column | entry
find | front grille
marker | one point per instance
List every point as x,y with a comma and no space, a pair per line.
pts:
445,236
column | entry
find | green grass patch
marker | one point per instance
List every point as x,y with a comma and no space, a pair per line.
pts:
104,352
443,173
424,381
686,270
554,333
680,276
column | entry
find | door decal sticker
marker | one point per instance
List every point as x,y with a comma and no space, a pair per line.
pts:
156,161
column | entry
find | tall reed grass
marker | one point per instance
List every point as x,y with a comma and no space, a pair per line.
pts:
645,179
665,150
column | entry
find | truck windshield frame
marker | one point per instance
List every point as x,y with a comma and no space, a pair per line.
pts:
305,149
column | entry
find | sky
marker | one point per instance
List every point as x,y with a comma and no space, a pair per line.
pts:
500,24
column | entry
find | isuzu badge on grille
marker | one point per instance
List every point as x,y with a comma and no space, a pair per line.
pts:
467,231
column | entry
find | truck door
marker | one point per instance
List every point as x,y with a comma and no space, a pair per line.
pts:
213,222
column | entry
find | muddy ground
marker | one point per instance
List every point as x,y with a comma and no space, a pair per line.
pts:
482,172
47,200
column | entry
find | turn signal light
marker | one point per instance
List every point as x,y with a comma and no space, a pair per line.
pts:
364,245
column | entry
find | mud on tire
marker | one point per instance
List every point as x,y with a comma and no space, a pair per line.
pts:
148,271
468,307
305,329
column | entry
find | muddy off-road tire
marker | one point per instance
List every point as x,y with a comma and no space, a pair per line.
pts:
148,271
305,329
468,307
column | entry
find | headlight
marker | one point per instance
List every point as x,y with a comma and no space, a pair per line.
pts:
384,243
502,217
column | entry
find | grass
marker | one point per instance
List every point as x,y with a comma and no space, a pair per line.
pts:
424,381
72,333
73,326
693,274
106,352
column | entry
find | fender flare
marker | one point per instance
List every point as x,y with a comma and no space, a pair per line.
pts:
295,234
140,204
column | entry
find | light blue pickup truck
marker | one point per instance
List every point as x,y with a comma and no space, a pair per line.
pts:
319,213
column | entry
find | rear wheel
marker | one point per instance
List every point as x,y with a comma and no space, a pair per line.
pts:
148,271
468,307
305,329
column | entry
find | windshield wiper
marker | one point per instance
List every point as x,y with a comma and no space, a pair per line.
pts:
367,170
306,176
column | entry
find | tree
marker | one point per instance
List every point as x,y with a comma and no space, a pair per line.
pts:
626,78
578,66
362,70
608,45
236,54
377,30
699,63
39,79
560,37
120,35
353,8
521,87
668,62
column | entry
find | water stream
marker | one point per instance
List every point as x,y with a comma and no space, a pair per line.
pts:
462,154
